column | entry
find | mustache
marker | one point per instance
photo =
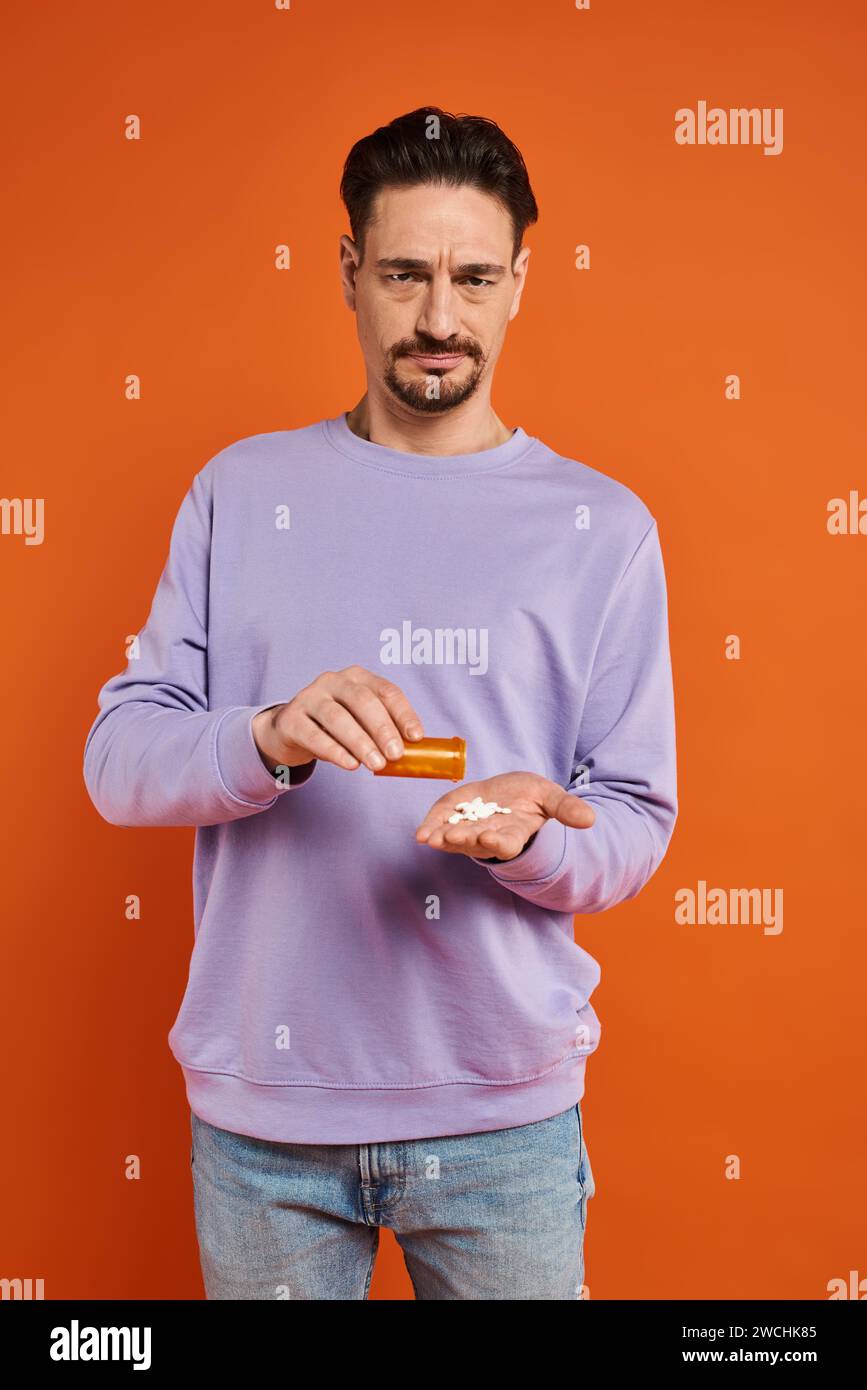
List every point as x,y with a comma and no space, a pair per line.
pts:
436,350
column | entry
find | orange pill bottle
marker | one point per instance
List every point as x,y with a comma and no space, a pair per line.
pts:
429,757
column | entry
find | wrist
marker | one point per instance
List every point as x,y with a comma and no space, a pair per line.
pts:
273,750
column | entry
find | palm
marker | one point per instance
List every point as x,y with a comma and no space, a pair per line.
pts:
531,798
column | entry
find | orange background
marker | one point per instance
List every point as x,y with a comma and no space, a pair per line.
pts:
156,257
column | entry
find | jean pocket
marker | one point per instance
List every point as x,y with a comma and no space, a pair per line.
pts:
585,1175
586,1181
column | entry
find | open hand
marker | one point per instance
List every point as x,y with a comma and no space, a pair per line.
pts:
532,799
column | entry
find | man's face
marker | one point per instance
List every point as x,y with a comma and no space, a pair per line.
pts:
434,293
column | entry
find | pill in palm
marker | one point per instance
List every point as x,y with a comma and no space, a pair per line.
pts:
477,809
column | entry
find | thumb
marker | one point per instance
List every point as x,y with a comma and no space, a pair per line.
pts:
566,807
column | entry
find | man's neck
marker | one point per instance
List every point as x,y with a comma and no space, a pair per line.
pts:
467,429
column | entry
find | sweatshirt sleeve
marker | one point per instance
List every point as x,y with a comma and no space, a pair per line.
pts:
626,742
157,754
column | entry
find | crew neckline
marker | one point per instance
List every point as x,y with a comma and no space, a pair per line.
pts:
387,460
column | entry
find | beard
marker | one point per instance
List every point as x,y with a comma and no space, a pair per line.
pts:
435,392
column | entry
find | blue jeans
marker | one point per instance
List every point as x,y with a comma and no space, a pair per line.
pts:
495,1215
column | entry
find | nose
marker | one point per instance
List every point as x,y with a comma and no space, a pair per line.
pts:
439,317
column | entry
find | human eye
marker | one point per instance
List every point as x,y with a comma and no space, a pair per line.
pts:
397,277
479,282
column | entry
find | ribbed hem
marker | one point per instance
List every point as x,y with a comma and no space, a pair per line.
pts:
337,1115
242,770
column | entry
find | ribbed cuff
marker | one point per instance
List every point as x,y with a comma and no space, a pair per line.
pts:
540,860
240,764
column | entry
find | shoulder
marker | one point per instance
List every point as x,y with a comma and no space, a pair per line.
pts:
605,504
240,460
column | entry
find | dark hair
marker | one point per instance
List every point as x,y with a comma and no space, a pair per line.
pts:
469,150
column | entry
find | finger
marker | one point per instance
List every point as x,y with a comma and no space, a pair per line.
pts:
307,734
399,707
496,842
337,721
407,720
364,704
498,846
499,840
437,840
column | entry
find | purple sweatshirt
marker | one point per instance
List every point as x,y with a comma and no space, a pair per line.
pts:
347,984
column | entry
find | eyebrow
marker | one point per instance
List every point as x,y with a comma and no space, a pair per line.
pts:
468,268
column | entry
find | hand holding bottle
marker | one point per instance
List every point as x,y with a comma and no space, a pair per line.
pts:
346,717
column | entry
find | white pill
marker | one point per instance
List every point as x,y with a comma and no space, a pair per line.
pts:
477,809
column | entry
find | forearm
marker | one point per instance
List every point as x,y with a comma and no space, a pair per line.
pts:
584,871
152,764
